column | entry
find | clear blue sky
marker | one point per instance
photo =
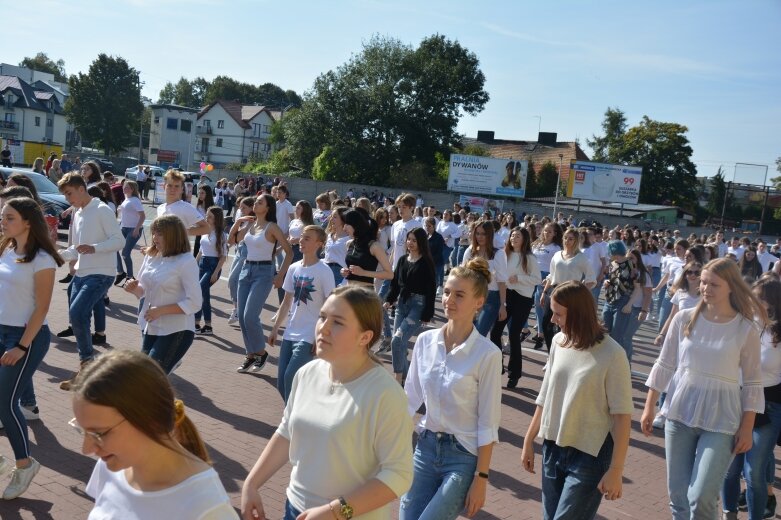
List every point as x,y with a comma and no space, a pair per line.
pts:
714,66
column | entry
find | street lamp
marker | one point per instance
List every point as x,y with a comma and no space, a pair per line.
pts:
558,181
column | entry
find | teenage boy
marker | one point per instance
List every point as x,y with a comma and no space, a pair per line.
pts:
95,239
194,223
308,283
285,210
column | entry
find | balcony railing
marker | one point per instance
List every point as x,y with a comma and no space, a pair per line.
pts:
9,125
200,129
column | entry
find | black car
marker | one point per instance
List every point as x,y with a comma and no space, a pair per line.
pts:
54,202
105,164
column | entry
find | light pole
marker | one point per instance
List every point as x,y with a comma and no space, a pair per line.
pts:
558,181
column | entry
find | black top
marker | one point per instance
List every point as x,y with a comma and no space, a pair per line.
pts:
436,245
361,255
414,278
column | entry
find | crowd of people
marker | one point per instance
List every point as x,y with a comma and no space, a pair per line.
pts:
358,277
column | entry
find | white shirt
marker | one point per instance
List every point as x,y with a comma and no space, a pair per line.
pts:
765,259
170,280
462,388
141,175
128,212
285,213
771,360
96,225
684,300
449,232
17,285
526,281
184,210
497,265
310,286
576,268
737,251
592,252
200,497
399,238
544,254
673,267
336,250
501,236
259,247
652,260
209,245
295,229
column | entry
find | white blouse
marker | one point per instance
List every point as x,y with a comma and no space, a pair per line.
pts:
702,374
462,388
336,250
170,280
527,282
771,360
577,268
497,265
544,254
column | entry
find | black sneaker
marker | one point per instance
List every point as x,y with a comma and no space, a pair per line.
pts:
119,277
742,504
206,329
512,382
245,365
67,279
260,362
770,508
67,333
98,339
538,341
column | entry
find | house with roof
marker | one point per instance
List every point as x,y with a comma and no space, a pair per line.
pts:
172,135
229,132
30,113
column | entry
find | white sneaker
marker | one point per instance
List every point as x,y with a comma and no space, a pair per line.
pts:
659,421
233,318
30,414
6,466
439,291
20,480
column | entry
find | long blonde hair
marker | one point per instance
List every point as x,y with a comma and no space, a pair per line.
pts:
741,298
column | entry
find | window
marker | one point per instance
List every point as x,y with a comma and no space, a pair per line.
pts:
266,128
49,122
172,123
255,129
207,123
255,147
157,120
220,123
219,143
9,117
186,125
37,121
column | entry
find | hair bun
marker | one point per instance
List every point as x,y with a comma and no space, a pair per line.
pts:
480,266
178,411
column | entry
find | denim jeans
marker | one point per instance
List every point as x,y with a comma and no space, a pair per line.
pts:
337,270
629,334
753,464
454,255
656,277
18,378
407,323
292,356
238,263
616,321
539,312
570,478
124,254
461,251
665,307
386,322
518,308
442,474
291,513
255,282
697,461
488,314
168,350
206,269
87,294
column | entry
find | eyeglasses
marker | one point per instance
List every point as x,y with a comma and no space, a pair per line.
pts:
97,437
693,273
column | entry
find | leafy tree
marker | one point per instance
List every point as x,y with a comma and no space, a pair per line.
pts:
388,110
777,180
718,190
546,180
198,93
42,63
185,93
609,147
532,189
105,104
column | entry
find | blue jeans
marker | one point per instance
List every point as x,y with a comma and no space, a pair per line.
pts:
442,474
386,322
87,294
461,251
255,283
616,321
631,330
665,307
539,311
292,356
656,277
454,255
337,270
238,263
206,270
167,350
754,465
130,243
16,379
291,513
488,314
407,323
570,478
697,461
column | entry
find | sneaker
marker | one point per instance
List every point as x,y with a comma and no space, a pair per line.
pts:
742,504
729,515
260,362
512,382
99,339
31,413
107,302
245,365
439,291
20,480
770,508
66,333
206,329
525,334
538,341
67,279
658,422
6,466
233,318
66,385
119,277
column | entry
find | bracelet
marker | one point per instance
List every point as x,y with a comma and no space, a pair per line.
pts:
482,475
22,347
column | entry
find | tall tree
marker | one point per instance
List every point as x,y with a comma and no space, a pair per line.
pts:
609,147
42,63
718,190
777,180
386,113
546,179
105,104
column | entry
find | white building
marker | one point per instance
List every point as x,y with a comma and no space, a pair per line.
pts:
30,113
229,132
172,135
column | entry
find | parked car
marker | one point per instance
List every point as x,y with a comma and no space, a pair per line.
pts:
132,172
105,164
54,202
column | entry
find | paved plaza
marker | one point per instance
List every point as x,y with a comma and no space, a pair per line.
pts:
237,414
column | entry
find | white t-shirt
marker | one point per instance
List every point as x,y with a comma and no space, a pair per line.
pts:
310,285
500,239
295,229
544,254
684,300
184,210
449,231
737,251
128,212
200,497
284,211
209,245
771,359
170,280
399,238
17,285
497,265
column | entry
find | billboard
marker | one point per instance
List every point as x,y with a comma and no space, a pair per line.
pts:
487,176
604,182
480,204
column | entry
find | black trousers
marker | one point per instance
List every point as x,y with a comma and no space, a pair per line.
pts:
518,309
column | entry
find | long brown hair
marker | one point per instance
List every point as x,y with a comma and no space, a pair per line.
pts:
38,237
488,251
683,281
581,327
526,247
175,240
219,228
769,288
135,386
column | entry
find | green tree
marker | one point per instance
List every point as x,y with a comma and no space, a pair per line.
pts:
185,93
609,147
777,180
105,103
718,190
42,63
532,189
546,179
388,110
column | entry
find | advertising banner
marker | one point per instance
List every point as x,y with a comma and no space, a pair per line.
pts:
487,176
604,182
480,204
159,196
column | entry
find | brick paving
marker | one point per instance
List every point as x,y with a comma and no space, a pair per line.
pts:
237,413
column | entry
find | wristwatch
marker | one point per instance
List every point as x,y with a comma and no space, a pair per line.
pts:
345,509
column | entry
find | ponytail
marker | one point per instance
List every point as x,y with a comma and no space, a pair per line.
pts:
186,434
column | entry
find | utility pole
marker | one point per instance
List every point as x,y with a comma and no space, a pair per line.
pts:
558,182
